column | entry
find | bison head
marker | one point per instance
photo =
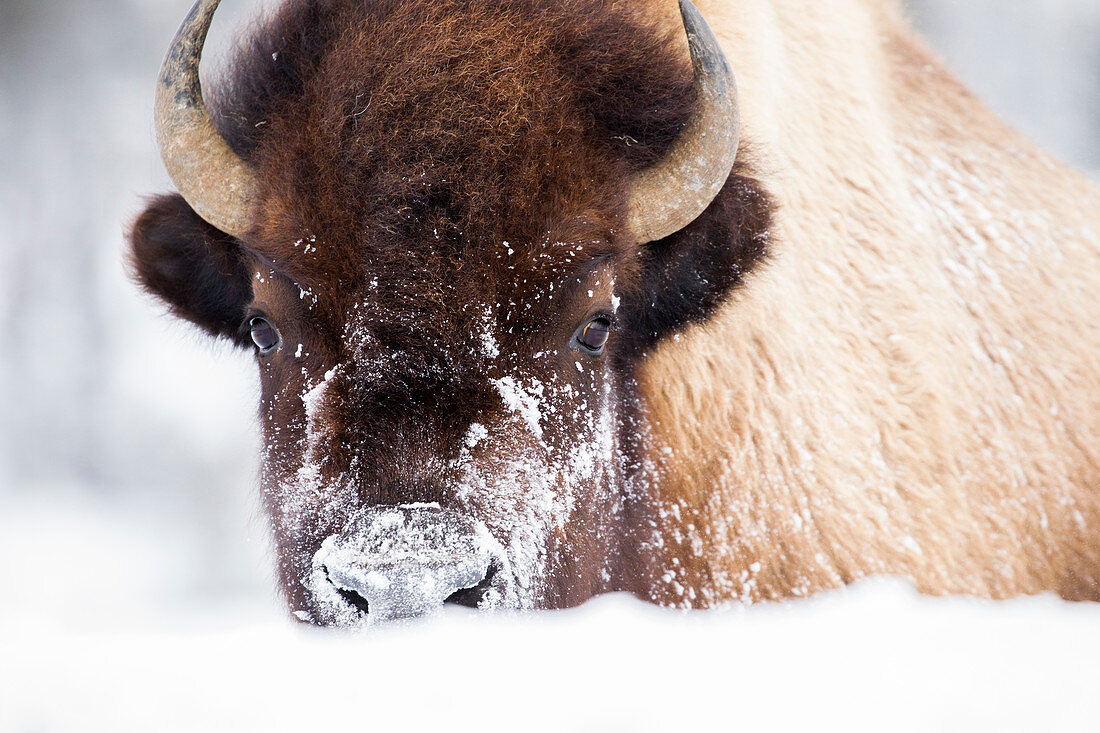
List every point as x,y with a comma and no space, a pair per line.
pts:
449,230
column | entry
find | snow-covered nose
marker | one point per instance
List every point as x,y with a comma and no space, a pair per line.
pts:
406,561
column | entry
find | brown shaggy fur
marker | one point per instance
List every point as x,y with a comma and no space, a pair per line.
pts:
422,163
911,386
418,136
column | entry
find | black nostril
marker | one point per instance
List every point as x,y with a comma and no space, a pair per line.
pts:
350,597
471,597
355,600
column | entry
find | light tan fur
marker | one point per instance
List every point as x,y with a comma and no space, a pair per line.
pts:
912,384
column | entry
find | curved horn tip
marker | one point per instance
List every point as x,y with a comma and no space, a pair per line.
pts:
673,192
220,186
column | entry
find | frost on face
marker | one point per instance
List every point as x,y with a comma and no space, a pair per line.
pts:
307,493
524,401
528,493
400,562
310,472
489,347
474,435
308,244
511,484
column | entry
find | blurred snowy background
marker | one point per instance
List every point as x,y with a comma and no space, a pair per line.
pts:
127,442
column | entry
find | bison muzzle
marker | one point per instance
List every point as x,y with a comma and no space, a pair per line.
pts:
405,561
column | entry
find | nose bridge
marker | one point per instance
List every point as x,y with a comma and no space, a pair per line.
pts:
424,375
414,417
406,561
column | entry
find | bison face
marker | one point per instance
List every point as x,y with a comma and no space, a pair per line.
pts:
440,426
449,237
432,441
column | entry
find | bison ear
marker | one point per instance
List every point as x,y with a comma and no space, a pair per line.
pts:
685,277
196,269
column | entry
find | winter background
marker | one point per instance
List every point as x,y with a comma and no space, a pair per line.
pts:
135,583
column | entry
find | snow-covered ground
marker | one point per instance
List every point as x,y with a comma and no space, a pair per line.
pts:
109,622
873,657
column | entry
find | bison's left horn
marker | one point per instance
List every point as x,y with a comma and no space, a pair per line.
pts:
671,194
219,185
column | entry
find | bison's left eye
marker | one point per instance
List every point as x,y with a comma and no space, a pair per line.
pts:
592,336
264,335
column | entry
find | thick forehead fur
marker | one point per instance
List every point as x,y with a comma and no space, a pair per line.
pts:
448,152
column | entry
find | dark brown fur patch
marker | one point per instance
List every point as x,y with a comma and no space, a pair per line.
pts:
194,268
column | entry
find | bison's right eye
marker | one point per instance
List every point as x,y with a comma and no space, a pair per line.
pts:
264,335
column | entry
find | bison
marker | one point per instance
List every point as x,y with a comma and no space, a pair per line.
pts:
535,321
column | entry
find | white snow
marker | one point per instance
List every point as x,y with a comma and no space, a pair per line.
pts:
315,395
524,401
489,347
873,657
307,243
912,545
475,434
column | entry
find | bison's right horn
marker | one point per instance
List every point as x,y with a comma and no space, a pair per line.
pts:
219,185
672,193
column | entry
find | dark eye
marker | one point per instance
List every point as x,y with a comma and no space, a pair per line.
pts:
264,335
593,335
